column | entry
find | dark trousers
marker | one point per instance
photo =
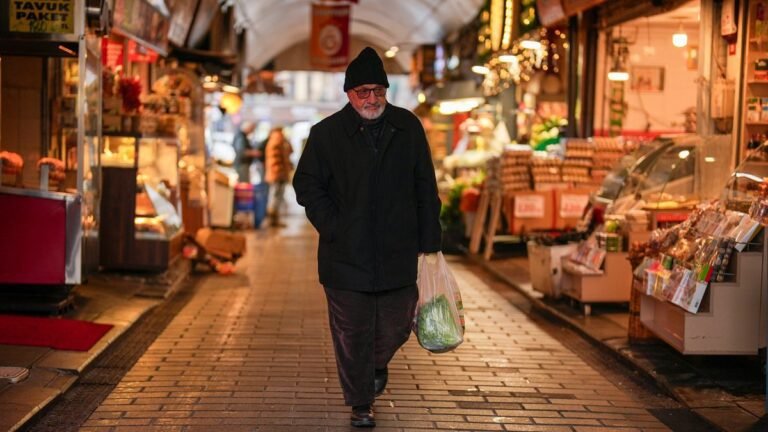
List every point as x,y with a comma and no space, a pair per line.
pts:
367,330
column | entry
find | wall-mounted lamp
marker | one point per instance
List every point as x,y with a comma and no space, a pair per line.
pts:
680,39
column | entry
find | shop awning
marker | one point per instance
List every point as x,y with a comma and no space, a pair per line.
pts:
617,12
552,12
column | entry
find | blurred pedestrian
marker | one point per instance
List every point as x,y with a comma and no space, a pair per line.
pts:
244,150
278,172
368,186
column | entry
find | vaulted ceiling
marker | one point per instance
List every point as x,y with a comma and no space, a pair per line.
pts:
273,26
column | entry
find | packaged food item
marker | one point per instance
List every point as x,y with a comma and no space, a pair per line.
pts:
753,110
761,69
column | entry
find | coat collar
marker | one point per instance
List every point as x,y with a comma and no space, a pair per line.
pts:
352,120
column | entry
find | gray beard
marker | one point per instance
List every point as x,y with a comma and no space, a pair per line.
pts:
370,115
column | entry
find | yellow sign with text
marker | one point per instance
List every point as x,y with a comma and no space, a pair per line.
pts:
42,16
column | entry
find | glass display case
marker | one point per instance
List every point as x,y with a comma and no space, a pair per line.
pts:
668,182
178,90
747,187
141,209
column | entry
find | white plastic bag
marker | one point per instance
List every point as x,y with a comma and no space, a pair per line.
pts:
439,315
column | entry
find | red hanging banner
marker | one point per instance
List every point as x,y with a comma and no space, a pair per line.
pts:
329,43
111,53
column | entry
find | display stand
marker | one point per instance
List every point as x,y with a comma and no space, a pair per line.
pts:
123,246
609,285
727,320
545,267
489,209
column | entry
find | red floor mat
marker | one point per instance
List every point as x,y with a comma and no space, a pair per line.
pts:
57,333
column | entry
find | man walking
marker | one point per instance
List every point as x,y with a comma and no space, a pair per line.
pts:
368,186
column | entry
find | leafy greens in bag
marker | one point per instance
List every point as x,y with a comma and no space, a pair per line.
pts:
439,318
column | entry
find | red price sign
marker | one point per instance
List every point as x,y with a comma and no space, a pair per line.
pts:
572,206
529,206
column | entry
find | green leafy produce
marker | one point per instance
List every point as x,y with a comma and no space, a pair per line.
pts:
437,326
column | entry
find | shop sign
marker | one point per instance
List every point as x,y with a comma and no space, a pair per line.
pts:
111,53
572,206
42,16
140,54
138,20
329,42
529,206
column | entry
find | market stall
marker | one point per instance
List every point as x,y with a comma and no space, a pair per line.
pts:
660,190
702,282
142,209
49,190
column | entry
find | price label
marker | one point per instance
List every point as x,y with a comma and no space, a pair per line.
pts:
572,206
529,206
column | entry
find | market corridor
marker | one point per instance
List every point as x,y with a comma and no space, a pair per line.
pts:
252,352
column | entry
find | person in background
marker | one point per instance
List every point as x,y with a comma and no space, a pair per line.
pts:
278,168
244,151
368,186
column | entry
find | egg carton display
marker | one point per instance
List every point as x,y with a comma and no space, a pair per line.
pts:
546,170
578,160
577,148
576,174
515,169
608,151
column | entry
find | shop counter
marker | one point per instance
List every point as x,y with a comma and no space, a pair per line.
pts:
42,237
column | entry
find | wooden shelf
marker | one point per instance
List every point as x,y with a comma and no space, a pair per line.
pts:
756,123
757,81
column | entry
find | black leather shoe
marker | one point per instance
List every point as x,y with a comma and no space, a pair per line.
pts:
362,416
380,381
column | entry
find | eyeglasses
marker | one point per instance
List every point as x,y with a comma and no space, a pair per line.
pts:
364,93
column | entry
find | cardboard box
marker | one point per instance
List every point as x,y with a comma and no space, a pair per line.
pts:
223,243
529,211
569,207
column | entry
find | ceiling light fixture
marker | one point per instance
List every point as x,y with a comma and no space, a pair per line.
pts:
480,69
618,75
392,51
680,39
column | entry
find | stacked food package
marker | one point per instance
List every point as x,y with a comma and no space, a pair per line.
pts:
608,152
55,170
12,163
546,171
677,264
515,172
578,160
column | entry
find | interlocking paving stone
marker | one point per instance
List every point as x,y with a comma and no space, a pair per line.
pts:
257,356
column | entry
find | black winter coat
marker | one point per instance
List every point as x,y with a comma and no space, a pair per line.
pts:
375,210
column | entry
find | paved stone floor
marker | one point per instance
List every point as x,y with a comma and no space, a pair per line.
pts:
252,352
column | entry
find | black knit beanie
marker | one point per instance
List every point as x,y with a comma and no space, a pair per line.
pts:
366,68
